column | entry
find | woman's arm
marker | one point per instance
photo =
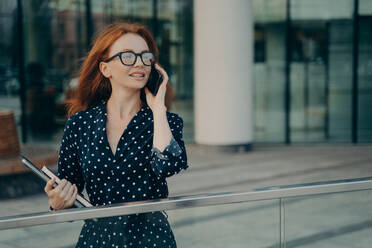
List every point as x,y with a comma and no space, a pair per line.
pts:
162,131
168,152
171,158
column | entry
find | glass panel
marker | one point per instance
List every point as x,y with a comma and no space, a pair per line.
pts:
340,80
254,224
10,105
269,11
8,86
321,9
53,44
175,42
109,11
269,70
365,7
364,80
56,38
321,92
332,220
61,235
231,225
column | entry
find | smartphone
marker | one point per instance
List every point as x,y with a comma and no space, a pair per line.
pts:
154,81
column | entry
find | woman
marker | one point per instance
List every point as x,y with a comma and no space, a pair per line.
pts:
119,141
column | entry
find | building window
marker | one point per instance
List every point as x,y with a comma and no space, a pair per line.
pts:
259,45
309,45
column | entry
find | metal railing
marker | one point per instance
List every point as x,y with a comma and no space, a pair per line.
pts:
173,203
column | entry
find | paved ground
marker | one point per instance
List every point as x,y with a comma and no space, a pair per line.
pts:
338,220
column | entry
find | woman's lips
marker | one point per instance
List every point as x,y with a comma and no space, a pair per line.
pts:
137,75
137,78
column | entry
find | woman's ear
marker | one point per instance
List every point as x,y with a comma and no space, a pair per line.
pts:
105,70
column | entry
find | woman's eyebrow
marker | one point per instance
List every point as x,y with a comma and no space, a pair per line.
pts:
146,50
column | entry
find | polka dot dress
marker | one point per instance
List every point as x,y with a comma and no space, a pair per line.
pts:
135,172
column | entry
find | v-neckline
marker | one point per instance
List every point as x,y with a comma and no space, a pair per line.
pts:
121,136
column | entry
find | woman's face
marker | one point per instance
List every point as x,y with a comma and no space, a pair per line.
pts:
134,76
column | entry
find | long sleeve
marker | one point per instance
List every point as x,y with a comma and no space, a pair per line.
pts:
68,162
173,159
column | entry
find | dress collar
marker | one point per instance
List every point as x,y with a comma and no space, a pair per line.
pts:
102,110
143,115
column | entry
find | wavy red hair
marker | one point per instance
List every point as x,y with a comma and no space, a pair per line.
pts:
93,87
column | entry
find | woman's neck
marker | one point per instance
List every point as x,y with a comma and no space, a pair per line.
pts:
123,104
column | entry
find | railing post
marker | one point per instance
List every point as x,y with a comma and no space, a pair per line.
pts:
281,223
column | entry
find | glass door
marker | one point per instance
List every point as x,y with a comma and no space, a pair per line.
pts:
365,79
321,70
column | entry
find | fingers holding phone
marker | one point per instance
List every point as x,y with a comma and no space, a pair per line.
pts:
156,88
164,74
154,81
163,85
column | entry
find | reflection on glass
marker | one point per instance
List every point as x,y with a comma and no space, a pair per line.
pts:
308,81
51,236
54,42
56,35
332,220
254,224
9,84
364,80
365,7
175,42
321,9
269,70
321,70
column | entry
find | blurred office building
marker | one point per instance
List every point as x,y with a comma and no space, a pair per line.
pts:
244,71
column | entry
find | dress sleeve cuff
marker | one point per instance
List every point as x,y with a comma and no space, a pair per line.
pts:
173,149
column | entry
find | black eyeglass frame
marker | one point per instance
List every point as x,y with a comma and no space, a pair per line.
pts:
135,60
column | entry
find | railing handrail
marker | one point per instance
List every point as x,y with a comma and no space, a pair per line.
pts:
173,203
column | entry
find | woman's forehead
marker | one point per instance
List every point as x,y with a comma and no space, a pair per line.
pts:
129,41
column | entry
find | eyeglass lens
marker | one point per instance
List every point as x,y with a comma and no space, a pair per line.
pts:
129,58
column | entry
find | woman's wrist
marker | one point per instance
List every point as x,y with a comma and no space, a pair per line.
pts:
159,110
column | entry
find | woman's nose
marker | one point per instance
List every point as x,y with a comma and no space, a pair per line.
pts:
138,62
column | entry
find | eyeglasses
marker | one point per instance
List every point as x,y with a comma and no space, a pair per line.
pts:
130,58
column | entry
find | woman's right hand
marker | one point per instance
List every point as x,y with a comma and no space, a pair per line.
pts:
62,196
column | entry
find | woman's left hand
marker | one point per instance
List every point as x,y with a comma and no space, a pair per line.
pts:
157,103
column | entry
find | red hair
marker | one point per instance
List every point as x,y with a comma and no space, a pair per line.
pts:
93,87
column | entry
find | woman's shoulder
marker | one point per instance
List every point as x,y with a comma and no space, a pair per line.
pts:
84,116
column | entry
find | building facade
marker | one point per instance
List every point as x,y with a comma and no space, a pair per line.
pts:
245,71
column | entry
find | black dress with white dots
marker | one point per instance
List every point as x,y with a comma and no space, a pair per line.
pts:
137,171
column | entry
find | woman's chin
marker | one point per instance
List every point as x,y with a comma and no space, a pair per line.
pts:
141,84
132,84
138,85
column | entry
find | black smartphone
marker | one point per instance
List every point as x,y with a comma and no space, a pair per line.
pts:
154,81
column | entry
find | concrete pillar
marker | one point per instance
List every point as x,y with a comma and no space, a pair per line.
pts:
223,38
